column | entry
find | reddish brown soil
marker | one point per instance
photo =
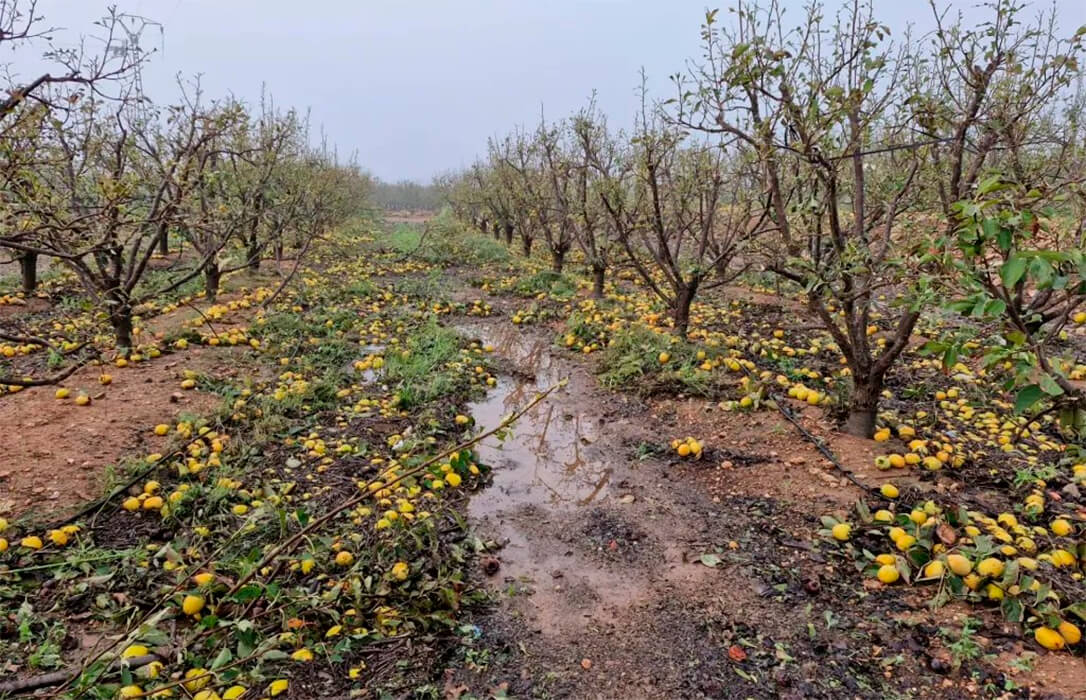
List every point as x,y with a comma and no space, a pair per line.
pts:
57,453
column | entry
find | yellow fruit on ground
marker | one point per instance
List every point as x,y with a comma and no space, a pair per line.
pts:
162,429
841,531
3,545
1049,638
130,691
904,542
188,384
278,687
897,461
62,393
31,542
1061,557
958,564
885,559
918,516
934,569
1070,633
882,435
344,558
203,578
683,450
888,573
153,503
400,570
105,379
990,567
883,516
196,679
192,604
132,504
889,491
663,358
133,651
58,537
994,592
1060,527
302,655
82,400
234,692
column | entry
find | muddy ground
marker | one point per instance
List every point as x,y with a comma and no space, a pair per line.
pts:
629,573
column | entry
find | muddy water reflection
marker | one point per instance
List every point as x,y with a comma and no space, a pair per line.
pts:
550,456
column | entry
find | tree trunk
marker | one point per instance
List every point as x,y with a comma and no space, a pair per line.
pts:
558,260
526,245
599,275
863,404
29,264
164,243
509,234
681,311
484,226
212,277
253,254
120,318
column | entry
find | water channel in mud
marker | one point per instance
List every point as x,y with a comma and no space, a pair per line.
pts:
549,457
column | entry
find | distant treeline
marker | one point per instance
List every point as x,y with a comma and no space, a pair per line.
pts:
406,195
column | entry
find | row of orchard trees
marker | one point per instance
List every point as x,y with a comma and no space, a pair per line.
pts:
880,174
99,179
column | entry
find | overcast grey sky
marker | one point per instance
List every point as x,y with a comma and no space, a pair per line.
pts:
415,87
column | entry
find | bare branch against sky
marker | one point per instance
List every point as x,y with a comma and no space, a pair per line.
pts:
415,87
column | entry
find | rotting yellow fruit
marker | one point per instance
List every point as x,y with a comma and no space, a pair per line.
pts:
841,531
278,687
344,558
192,604
1049,638
196,678
889,491
31,542
961,566
1060,527
58,537
990,567
1070,633
888,573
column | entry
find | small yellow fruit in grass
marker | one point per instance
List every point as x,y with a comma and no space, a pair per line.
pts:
990,567
302,655
918,516
130,691
132,503
203,578
151,487
1079,318
994,592
1049,638
663,358
3,524
400,570
58,537
192,604
1061,527
3,545
934,569
31,542
162,429
121,362
62,393
841,531
960,565
896,533
344,558
1061,557
82,400
196,678
153,503
888,573
886,559
897,461
453,479
462,419
234,692
278,687
683,450
188,384
882,435
883,516
889,491
1070,633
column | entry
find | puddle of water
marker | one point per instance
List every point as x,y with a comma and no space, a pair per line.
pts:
549,458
